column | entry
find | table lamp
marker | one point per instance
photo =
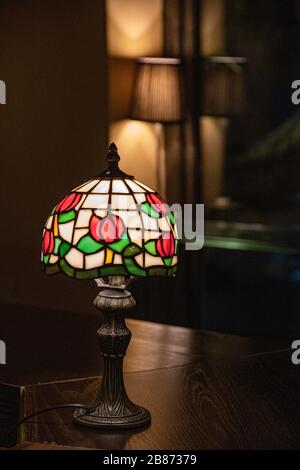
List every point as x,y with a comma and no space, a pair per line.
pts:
111,229
158,98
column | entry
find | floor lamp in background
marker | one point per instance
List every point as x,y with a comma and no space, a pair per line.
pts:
158,98
223,96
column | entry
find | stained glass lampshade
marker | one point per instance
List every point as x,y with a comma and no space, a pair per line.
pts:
108,226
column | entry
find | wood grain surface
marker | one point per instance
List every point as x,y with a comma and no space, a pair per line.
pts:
247,403
45,446
43,346
205,390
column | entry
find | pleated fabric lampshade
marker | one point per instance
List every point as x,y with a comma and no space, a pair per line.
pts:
223,86
157,95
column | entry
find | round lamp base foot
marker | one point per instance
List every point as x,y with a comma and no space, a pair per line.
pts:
141,417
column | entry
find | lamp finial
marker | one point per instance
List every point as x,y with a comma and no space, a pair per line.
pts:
113,157
113,170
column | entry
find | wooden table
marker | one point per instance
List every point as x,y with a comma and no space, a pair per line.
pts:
205,390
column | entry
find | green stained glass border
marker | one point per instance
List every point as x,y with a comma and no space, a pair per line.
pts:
131,269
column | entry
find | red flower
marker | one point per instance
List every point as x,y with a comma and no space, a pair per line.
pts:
165,245
48,242
108,230
158,205
68,203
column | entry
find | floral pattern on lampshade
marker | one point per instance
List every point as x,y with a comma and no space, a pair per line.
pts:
109,227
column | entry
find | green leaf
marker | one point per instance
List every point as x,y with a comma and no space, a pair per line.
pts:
88,245
168,261
57,242
132,250
64,249
46,259
120,244
66,216
172,218
133,268
150,246
147,208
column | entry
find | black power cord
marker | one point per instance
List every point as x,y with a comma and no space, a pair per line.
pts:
44,410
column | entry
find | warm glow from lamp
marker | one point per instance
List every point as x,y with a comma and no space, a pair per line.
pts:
137,143
134,127
134,27
213,132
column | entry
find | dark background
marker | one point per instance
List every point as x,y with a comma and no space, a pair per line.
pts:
53,133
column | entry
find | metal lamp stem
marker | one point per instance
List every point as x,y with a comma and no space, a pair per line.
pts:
112,408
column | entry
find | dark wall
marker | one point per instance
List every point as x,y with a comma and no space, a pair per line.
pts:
267,33
52,133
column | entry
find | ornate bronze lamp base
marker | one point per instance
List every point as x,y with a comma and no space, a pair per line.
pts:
112,408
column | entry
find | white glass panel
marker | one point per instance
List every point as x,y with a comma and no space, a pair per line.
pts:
118,186
122,202
101,213
102,187
153,260
150,223
75,258
174,260
85,187
131,219
136,236
96,201
145,187
140,259
164,225
118,259
66,231
83,218
175,232
148,235
135,188
53,259
49,222
78,233
80,203
140,197
95,261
